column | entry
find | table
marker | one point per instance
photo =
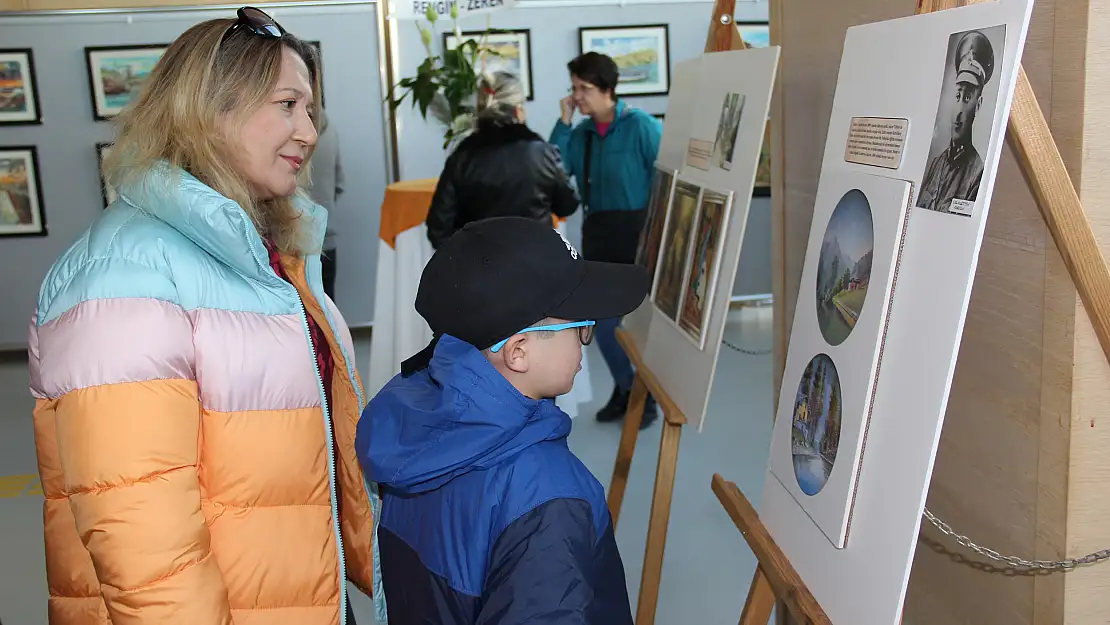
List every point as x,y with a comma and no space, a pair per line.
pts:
403,250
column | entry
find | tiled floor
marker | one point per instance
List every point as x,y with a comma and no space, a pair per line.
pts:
707,567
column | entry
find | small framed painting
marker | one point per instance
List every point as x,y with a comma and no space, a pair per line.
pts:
106,191
21,212
505,51
319,67
642,54
117,75
19,101
755,34
758,35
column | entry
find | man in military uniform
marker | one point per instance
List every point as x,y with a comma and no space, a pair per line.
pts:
955,173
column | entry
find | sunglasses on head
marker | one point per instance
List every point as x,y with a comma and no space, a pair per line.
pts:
257,22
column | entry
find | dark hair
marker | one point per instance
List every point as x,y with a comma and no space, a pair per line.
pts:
597,69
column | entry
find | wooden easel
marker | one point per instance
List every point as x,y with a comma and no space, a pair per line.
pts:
775,579
1047,177
1044,171
723,35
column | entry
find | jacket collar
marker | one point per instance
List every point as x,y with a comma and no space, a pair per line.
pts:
618,114
215,223
489,134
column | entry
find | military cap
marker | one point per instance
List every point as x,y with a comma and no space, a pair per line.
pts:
974,59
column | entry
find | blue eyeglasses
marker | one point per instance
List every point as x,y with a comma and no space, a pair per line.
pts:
585,332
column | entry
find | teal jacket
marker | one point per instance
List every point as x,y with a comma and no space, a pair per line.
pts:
621,165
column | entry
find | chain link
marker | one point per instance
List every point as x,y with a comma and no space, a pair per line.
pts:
749,352
1014,561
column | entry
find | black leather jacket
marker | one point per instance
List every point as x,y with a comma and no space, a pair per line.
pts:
499,171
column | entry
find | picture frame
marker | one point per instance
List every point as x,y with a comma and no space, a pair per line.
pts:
320,69
641,51
116,75
19,97
699,287
21,208
107,193
757,34
510,41
673,259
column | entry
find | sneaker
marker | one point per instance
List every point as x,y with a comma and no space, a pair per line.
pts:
615,408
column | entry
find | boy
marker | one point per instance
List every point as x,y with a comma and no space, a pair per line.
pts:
487,517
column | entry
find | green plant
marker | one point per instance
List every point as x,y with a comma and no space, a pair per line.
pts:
446,84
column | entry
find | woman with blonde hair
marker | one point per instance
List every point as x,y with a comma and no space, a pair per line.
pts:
196,391
501,169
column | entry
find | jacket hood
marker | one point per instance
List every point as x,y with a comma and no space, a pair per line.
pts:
213,221
455,416
622,110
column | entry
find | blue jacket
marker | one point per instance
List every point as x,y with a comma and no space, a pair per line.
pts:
622,164
487,517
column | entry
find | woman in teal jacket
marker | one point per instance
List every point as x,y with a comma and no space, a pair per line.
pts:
611,155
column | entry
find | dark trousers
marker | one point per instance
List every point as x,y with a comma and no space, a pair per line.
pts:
327,260
612,237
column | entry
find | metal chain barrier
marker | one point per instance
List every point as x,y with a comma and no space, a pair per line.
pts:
967,543
1014,561
749,352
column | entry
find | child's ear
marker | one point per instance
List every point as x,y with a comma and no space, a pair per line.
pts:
515,354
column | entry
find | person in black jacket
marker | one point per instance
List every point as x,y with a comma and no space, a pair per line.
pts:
502,169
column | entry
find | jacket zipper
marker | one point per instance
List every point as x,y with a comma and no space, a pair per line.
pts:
331,464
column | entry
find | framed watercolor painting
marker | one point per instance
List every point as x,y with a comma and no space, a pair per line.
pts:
506,50
106,191
758,35
19,98
642,54
21,212
320,62
117,74
755,34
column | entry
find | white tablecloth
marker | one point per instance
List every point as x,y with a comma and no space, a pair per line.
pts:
399,332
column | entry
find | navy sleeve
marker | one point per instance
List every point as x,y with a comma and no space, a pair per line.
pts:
542,568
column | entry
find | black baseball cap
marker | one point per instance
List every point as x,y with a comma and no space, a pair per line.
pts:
497,276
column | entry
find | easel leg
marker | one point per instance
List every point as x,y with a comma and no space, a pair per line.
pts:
761,600
660,516
627,448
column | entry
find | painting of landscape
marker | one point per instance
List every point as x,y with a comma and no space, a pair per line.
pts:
640,52
676,249
651,237
815,431
844,267
117,75
504,51
704,265
20,205
18,100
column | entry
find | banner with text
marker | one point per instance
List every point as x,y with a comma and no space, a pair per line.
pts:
418,9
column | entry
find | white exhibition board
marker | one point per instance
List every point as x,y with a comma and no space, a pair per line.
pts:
906,109
712,137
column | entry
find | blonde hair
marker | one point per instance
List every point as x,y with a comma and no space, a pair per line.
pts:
202,82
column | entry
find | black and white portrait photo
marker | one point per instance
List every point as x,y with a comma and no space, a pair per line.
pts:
965,118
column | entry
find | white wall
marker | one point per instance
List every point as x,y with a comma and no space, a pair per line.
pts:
420,143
